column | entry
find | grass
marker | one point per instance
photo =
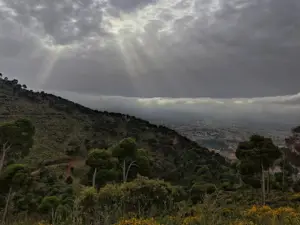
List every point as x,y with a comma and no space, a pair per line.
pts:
209,212
202,215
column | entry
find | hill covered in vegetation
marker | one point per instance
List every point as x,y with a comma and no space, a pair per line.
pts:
62,163
68,130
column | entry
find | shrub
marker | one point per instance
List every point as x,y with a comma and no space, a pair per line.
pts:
88,198
140,194
135,221
49,204
199,190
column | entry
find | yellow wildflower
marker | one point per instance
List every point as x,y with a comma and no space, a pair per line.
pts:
135,221
268,212
191,220
242,222
285,211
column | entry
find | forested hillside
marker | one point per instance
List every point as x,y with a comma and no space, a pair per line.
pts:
62,163
64,128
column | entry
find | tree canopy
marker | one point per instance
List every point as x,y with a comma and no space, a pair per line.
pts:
260,151
256,156
16,139
18,135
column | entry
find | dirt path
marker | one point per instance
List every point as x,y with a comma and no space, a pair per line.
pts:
64,161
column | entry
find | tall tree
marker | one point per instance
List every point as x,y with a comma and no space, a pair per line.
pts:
133,160
16,139
143,161
103,166
126,148
12,179
257,155
126,152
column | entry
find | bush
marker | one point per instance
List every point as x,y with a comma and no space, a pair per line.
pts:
136,221
88,198
199,190
49,204
15,175
126,148
140,194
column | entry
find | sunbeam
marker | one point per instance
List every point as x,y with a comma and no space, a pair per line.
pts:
131,31
46,44
47,66
164,48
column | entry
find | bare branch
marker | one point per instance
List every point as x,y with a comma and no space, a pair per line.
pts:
5,148
8,198
126,171
94,177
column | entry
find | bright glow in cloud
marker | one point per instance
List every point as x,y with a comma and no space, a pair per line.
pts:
174,49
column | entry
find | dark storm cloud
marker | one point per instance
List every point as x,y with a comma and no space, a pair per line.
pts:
165,48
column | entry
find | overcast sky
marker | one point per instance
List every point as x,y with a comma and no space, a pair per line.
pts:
154,48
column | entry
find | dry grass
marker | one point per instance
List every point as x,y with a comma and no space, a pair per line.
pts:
204,214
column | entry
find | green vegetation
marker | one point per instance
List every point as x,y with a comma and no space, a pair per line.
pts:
256,156
62,163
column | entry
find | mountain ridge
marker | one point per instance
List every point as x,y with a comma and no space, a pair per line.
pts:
63,125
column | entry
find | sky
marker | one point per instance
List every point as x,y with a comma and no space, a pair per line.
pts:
157,52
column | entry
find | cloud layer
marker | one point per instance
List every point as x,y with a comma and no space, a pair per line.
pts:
278,111
170,58
154,48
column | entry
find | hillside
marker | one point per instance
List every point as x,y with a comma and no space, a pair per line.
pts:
225,138
64,128
214,132
78,170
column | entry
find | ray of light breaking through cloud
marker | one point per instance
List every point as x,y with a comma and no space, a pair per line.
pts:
179,50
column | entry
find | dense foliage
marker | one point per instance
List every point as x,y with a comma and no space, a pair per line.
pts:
62,163
66,129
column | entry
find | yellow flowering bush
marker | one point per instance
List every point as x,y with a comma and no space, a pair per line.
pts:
267,215
259,211
285,211
191,220
135,221
263,211
242,222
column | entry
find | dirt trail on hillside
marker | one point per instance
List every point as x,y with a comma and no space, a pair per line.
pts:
75,163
